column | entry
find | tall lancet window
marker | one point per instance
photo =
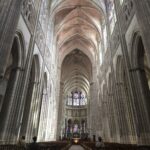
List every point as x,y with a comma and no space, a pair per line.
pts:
76,98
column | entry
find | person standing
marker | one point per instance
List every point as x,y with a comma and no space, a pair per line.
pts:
34,145
99,145
21,142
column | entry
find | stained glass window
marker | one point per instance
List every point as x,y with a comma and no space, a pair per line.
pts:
76,98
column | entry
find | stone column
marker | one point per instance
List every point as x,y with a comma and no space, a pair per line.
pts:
26,76
140,115
112,118
93,103
141,107
3,86
124,134
13,123
105,120
130,114
27,107
60,109
7,115
41,98
33,112
112,96
9,16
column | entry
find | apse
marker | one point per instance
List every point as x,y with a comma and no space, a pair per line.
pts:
76,74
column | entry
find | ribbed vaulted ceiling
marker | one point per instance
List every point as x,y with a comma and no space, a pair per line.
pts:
77,31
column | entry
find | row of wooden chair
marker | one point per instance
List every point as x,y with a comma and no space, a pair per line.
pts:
115,146
43,146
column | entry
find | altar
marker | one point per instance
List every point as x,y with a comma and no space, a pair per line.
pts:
76,140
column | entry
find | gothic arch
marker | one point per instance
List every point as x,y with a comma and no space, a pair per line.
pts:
140,60
141,72
124,103
29,121
11,85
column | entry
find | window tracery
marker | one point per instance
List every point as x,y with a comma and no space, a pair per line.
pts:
76,98
29,13
27,8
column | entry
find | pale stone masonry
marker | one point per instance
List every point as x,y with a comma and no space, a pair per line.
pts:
75,68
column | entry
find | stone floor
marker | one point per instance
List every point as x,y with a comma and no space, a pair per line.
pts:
76,147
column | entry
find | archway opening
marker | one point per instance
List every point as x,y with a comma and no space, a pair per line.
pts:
9,92
30,119
76,74
9,77
143,64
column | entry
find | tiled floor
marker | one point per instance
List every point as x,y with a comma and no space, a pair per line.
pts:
76,147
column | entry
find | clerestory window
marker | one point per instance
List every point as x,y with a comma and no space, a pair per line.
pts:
76,98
